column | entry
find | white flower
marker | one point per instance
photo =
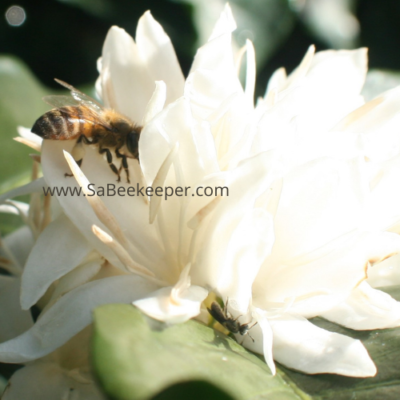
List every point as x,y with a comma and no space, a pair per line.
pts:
307,211
63,372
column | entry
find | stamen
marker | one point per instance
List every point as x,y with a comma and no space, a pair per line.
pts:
250,72
35,203
182,284
29,143
46,217
100,209
203,213
35,210
271,97
124,257
36,157
239,59
360,112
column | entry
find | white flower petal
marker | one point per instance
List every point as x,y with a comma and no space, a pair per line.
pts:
263,338
244,187
147,251
35,186
156,103
250,71
27,134
385,273
176,304
158,305
125,72
158,137
213,76
77,277
321,273
366,308
47,380
248,246
377,122
382,208
70,315
156,49
300,345
20,243
226,23
58,250
322,193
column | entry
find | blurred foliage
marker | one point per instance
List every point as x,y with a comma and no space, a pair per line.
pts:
3,383
65,36
379,81
135,358
20,104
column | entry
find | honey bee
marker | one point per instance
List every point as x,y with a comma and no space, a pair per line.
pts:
80,117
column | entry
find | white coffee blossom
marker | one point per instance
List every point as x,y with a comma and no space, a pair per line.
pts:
313,203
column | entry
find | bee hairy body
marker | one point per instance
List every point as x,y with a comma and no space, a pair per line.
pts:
81,118
66,123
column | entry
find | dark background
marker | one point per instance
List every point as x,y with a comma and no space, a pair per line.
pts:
63,38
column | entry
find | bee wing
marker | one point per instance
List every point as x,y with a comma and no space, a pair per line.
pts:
80,97
96,118
58,101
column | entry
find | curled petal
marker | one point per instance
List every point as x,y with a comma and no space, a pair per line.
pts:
35,186
366,308
263,338
58,250
385,273
250,243
156,103
174,304
300,345
156,50
124,72
70,315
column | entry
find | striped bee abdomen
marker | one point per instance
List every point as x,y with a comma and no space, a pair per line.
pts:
64,123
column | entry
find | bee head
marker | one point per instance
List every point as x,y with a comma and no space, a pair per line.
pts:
243,329
132,142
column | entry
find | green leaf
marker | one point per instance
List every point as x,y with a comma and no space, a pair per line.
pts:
20,104
384,348
134,361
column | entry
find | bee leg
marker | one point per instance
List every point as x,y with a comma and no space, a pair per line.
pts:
110,163
79,162
124,164
78,152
